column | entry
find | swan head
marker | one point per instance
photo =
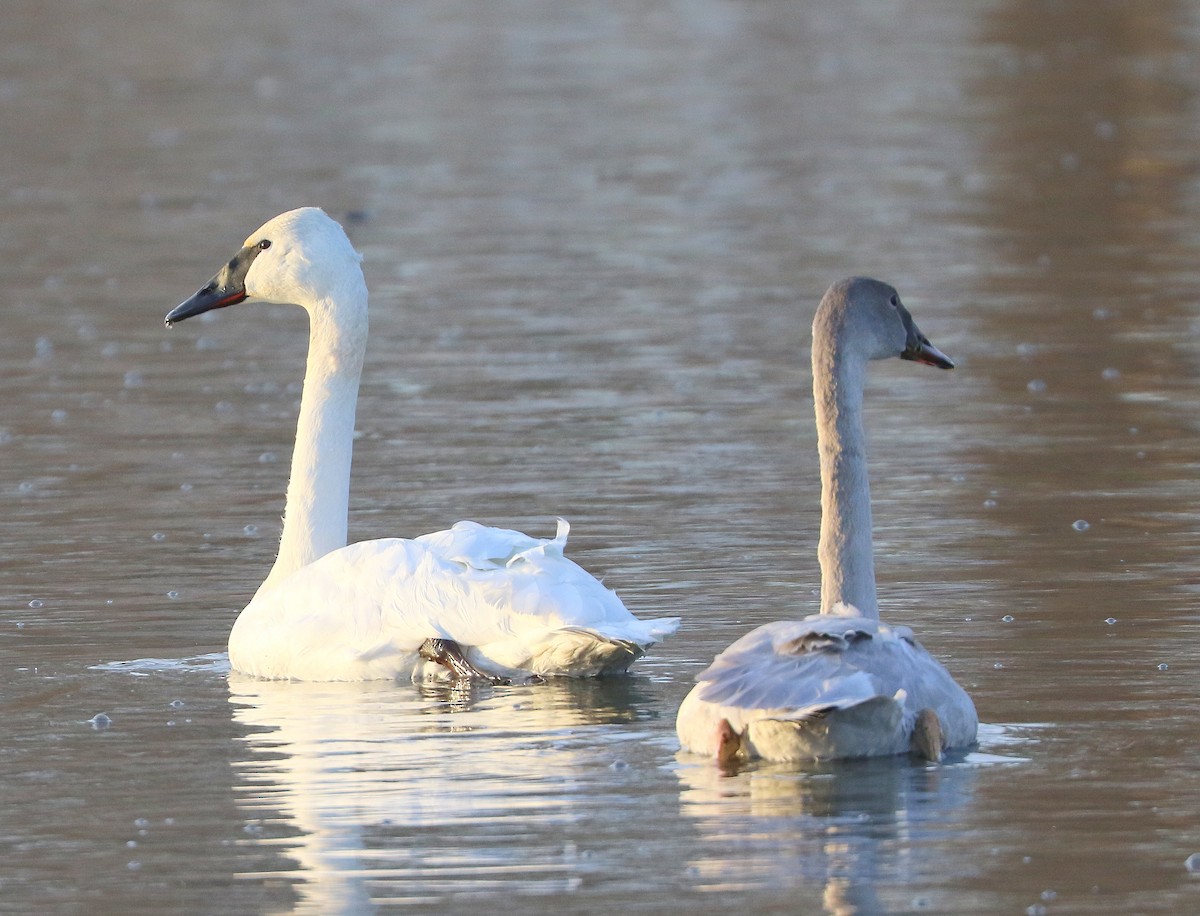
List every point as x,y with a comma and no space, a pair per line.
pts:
865,317
301,257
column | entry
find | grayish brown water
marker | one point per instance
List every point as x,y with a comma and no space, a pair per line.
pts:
595,236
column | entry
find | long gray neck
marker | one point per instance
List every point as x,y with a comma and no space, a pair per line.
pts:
845,552
318,494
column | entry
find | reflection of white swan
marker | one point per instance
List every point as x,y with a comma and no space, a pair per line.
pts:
382,795
840,683
473,599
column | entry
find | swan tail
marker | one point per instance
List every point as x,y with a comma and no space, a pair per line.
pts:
561,652
864,729
577,651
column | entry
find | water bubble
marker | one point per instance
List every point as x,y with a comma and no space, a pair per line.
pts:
1163,666
99,721
58,416
1110,620
131,844
1008,618
999,666
1035,909
1049,895
172,594
133,379
176,704
619,765
1080,525
185,488
36,603
158,536
989,504
43,348
25,486
1036,386
223,407
266,458
250,531
1192,863
1100,314
134,865
1110,373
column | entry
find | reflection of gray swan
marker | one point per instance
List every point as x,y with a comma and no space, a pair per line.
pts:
473,599
851,837
840,683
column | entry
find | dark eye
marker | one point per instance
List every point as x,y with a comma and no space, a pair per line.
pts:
264,244
895,301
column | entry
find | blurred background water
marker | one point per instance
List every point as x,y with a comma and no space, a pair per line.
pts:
595,236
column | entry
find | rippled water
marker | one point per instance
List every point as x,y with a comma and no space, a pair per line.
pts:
595,236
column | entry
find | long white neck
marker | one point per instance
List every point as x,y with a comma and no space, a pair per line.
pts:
318,493
845,552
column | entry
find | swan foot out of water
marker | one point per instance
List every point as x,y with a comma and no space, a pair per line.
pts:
840,683
729,748
926,741
512,605
449,654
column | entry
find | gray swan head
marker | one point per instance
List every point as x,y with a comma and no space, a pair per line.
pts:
864,319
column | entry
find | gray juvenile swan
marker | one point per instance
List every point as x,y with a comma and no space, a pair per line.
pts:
469,601
840,683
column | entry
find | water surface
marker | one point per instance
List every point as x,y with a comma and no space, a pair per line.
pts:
595,238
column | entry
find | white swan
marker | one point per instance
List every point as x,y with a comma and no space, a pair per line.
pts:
840,683
471,599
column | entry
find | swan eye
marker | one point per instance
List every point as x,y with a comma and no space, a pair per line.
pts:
895,301
264,245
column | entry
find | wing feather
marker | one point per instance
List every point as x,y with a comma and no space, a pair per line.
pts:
802,666
375,602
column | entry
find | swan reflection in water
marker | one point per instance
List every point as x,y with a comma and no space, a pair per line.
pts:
866,835
380,793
